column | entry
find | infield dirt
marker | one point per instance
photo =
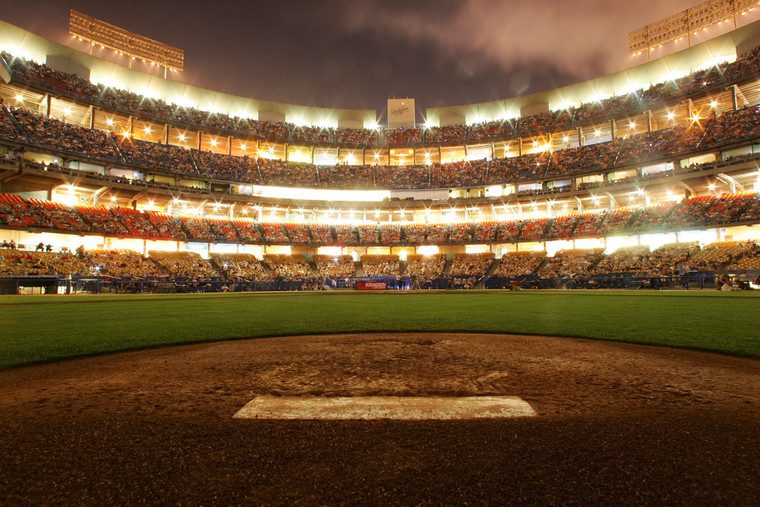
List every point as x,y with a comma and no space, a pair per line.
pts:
617,423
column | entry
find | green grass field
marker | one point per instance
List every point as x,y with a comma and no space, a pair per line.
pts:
47,328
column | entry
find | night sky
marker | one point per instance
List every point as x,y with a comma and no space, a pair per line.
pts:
356,53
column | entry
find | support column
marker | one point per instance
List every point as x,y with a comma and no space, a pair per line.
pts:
613,129
166,134
200,138
229,145
519,146
649,120
579,130
690,108
131,126
735,90
286,152
92,117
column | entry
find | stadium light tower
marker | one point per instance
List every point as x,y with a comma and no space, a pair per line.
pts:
133,45
686,23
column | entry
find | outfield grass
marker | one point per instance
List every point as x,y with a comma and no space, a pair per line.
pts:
46,328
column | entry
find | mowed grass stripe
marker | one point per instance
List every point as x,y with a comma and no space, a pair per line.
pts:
120,298
34,333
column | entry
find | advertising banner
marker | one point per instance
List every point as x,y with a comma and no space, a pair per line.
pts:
360,285
401,113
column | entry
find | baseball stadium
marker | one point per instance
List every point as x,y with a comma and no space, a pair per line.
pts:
214,299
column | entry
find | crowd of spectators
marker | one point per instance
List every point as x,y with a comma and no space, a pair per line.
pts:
563,226
335,266
617,220
91,143
570,263
166,225
390,234
148,155
651,218
568,267
321,234
346,234
632,259
298,233
55,134
416,233
8,128
346,176
185,265
223,229
137,223
278,172
275,233
289,267
71,85
471,264
240,266
368,234
119,264
458,174
725,209
460,232
414,176
484,232
508,231
26,263
533,230
248,231
380,265
197,229
227,167
101,220
425,268
515,264
720,253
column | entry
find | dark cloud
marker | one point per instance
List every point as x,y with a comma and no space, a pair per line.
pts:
355,53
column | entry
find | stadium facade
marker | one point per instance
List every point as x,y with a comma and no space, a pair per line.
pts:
104,156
